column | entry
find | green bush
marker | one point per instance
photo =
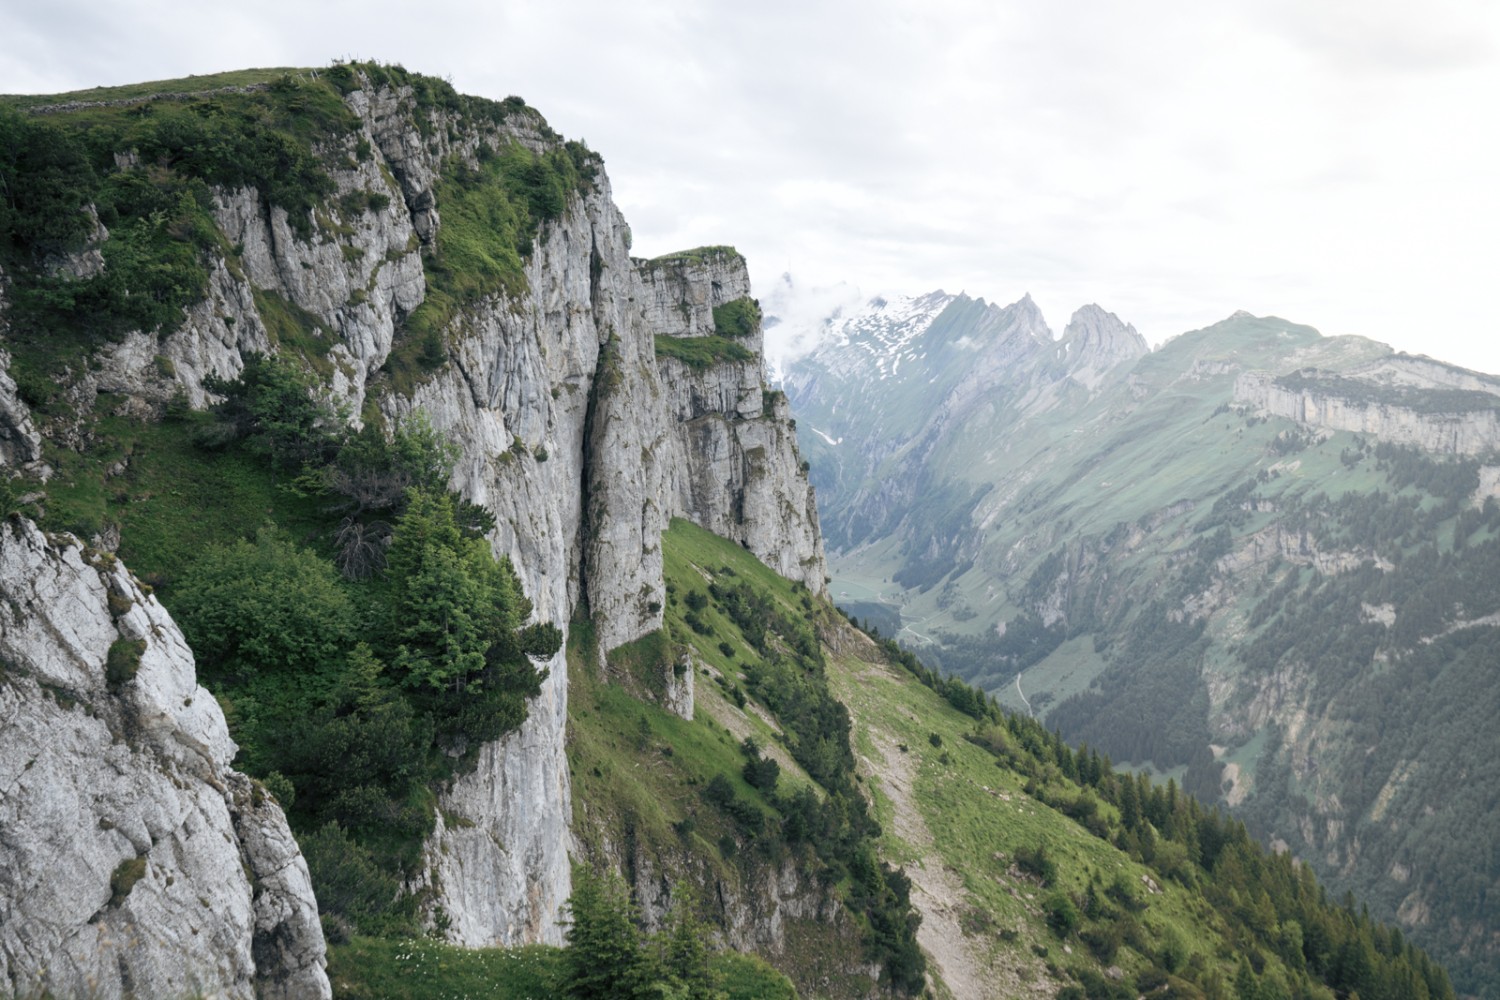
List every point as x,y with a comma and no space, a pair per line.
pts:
274,407
737,318
264,605
48,184
456,615
1062,913
352,885
123,879
123,660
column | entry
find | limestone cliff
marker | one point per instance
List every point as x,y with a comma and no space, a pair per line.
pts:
681,290
734,466
1401,399
133,860
570,430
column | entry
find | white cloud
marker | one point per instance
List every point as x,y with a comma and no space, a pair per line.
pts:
1173,161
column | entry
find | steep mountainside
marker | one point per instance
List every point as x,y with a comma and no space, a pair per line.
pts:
899,383
1036,871
1257,559
450,273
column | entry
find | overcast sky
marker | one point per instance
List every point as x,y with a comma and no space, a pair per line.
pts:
1333,162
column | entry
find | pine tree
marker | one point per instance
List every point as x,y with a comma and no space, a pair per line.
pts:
604,952
684,952
1130,805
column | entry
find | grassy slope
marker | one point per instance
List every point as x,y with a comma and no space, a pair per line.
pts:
638,770
948,812
374,969
171,499
956,819
958,825
133,91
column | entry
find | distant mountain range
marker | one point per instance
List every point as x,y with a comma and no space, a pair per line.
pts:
1259,560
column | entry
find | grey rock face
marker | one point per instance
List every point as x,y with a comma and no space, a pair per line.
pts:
20,444
1368,400
567,430
502,874
87,261
1095,341
766,909
134,861
680,291
680,689
738,472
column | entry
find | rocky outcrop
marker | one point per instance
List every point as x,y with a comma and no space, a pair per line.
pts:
735,468
740,476
20,444
775,909
133,860
1001,343
572,432
1096,341
567,430
1409,401
680,291
679,687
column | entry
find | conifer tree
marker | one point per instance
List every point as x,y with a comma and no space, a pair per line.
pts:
604,950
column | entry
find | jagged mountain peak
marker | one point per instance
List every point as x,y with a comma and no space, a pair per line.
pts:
882,329
1096,340
1025,316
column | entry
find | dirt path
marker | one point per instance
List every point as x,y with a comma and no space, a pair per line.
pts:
969,966
1023,697
937,893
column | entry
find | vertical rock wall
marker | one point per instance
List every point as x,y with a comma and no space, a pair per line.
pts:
736,470
569,430
680,291
133,860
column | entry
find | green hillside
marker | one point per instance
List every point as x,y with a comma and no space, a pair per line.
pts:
1030,877
1287,618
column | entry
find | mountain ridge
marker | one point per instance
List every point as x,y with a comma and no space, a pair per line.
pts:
429,264
1121,560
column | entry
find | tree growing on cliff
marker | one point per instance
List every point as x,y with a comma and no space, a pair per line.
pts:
609,958
455,624
604,948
